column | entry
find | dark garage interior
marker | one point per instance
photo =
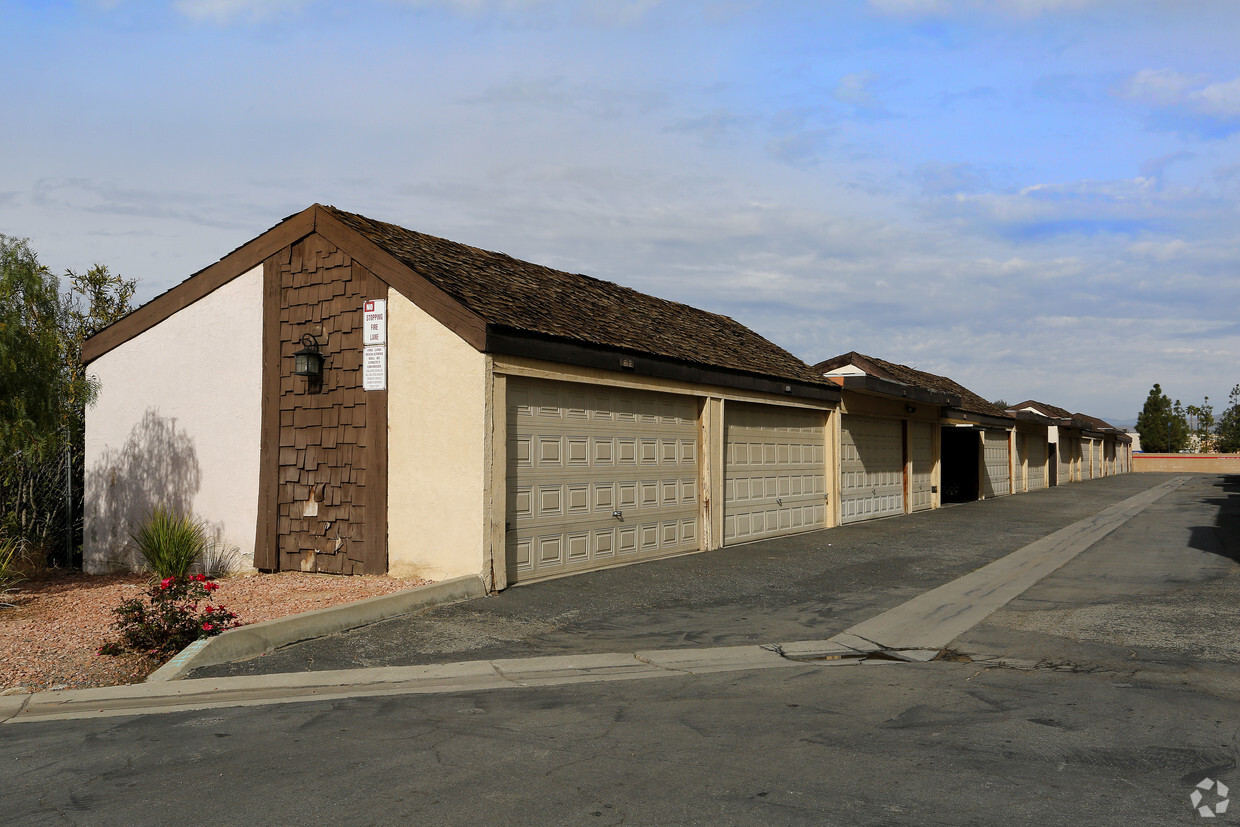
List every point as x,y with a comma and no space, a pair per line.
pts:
961,463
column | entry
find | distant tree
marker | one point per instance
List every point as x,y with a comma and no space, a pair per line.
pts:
1162,425
32,352
1201,426
97,298
1227,433
44,389
1001,404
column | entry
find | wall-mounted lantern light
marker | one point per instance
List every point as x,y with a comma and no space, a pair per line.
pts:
308,361
910,409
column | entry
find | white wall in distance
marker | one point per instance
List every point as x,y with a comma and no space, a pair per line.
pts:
177,423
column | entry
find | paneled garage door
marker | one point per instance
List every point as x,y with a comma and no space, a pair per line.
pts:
921,486
774,471
871,468
995,477
1067,450
598,476
1089,459
1035,448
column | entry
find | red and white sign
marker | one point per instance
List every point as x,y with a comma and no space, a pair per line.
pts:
374,322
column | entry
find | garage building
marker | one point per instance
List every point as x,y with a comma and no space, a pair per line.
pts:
471,414
966,442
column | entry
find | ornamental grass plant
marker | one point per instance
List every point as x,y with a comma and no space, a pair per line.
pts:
169,542
10,573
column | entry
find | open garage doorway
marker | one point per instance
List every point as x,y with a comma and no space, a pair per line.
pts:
961,465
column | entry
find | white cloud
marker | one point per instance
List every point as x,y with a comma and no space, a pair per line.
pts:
1160,87
602,12
1190,96
1220,100
1073,208
1016,8
1159,250
221,11
856,89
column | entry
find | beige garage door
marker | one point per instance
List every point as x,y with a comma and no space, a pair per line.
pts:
871,468
1035,449
1066,453
774,474
598,476
996,474
921,486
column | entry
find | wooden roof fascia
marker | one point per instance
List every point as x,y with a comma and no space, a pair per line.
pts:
896,390
870,367
1006,423
856,360
1030,416
205,281
509,342
1045,409
405,279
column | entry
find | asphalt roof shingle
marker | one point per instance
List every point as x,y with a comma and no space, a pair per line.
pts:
1094,422
969,401
531,298
1043,408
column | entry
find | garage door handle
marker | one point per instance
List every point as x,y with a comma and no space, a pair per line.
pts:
779,500
619,515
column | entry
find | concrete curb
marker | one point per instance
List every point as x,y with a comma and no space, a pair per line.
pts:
248,641
464,676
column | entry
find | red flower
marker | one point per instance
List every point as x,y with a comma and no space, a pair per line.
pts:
211,586
167,582
199,577
206,627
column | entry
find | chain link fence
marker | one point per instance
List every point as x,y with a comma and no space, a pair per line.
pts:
41,506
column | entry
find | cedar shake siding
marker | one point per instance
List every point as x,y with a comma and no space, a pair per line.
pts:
331,435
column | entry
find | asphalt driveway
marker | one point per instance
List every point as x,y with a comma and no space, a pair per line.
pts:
808,586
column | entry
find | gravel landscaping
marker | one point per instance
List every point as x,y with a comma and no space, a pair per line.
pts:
50,638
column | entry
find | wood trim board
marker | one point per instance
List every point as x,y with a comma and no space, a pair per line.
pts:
404,279
239,261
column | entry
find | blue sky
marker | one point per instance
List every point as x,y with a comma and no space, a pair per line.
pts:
1039,198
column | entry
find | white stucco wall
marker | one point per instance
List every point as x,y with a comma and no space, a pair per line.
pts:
177,423
437,437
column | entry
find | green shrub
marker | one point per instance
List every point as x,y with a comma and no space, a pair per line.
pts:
169,619
170,543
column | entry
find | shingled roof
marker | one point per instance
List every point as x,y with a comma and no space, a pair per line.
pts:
969,401
1093,422
531,298
498,303
1043,408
